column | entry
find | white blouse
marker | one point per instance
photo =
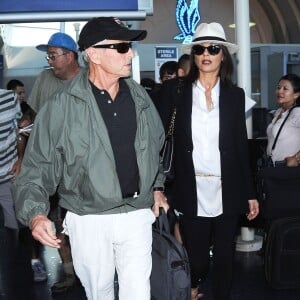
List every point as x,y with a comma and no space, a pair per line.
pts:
206,154
288,142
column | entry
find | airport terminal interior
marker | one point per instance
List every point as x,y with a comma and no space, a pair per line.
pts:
274,51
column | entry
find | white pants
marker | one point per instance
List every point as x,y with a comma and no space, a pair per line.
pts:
102,243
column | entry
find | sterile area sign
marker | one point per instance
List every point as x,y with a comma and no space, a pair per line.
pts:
163,54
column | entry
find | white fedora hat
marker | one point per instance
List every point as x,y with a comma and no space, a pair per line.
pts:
212,33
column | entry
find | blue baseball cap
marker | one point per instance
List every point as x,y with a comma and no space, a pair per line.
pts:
59,40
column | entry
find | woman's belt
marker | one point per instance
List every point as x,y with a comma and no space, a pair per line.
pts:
205,175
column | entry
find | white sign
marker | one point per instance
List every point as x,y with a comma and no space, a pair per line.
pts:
163,54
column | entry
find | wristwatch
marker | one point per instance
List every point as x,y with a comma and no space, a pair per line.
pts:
158,189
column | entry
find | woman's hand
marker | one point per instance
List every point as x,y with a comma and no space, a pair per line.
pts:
253,209
292,161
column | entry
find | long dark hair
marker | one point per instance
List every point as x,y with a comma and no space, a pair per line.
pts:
295,82
225,72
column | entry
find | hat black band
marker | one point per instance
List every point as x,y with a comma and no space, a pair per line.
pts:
208,38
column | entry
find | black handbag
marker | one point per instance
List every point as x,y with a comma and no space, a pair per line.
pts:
170,277
167,152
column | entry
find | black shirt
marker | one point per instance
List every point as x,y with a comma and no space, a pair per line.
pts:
120,119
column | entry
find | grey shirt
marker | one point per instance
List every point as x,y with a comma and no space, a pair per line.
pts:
44,87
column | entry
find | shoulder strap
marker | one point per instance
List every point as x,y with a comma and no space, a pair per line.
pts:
177,94
179,88
172,123
277,135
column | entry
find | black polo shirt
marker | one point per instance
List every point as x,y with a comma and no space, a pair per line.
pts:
120,119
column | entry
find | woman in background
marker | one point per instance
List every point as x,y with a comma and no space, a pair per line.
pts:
286,150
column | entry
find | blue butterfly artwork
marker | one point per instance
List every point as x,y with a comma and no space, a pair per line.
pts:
187,17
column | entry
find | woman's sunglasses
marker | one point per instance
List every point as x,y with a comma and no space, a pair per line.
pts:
212,49
120,47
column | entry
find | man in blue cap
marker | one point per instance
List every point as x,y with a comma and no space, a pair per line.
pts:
62,57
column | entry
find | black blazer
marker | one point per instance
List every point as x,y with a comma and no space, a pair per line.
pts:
237,181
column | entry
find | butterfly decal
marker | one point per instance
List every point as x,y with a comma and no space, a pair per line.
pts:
187,17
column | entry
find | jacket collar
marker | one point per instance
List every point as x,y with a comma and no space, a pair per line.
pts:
80,84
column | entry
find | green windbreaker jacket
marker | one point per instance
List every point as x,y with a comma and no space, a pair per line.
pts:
69,148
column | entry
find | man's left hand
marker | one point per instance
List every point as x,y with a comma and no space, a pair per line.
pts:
160,200
253,209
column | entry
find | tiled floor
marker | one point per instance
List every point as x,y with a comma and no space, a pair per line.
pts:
16,277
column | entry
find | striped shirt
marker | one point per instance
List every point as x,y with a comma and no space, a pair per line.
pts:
9,116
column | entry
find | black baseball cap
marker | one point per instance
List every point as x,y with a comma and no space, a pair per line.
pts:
107,28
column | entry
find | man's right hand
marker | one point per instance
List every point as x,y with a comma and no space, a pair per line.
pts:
42,231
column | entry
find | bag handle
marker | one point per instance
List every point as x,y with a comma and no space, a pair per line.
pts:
162,222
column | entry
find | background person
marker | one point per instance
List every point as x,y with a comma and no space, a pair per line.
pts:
168,70
150,85
13,262
184,65
287,146
98,141
213,182
62,57
284,152
11,154
39,272
18,87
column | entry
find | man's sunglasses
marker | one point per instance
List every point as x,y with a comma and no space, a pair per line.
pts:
212,49
120,47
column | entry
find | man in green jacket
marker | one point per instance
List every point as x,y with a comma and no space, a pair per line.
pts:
98,140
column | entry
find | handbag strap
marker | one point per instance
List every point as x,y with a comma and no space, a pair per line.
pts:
172,123
173,117
280,128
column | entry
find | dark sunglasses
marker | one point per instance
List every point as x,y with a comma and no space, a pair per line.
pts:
120,47
212,49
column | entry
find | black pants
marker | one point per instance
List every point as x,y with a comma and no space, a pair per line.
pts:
199,233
